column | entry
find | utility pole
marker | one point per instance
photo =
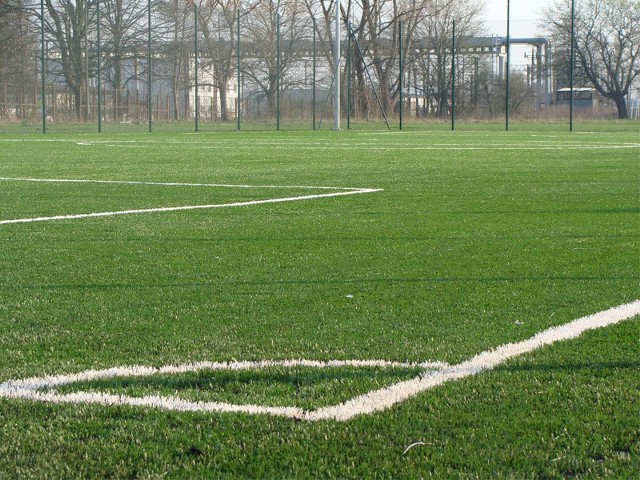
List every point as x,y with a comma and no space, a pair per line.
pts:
336,73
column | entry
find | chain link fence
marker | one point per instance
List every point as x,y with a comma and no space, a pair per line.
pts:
229,65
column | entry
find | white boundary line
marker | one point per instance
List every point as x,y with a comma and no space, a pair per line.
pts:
369,403
233,144
169,184
31,388
385,398
342,191
370,147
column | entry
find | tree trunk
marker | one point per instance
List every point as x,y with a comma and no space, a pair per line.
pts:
621,105
117,85
174,98
77,98
224,111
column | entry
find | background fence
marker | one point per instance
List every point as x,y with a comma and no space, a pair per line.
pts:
89,64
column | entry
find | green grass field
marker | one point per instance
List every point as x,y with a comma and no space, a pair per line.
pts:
471,240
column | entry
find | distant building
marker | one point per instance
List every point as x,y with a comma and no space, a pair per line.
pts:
582,97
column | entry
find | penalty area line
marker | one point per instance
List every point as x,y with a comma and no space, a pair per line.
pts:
191,207
170,184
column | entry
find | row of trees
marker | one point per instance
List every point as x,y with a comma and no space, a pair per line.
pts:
607,43
70,30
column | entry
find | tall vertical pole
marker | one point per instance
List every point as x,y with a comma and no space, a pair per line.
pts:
195,47
42,69
349,76
571,64
507,86
99,62
149,103
313,107
401,68
336,73
86,61
277,71
453,76
239,85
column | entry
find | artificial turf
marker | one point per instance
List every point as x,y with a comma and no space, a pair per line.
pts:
477,239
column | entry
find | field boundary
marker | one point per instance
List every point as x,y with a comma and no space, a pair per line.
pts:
43,388
341,191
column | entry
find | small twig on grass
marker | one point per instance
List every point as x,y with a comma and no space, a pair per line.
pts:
411,446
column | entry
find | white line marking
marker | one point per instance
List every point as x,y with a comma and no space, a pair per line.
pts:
169,184
369,403
342,192
370,147
31,388
387,397
38,383
235,144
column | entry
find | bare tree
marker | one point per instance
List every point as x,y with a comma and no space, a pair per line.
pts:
436,33
18,47
176,29
262,27
607,44
17,38
375,27
68,25
124,36
218,26
323,20
8,9
372,25
379,31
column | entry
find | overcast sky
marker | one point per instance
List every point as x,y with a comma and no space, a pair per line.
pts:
525,17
